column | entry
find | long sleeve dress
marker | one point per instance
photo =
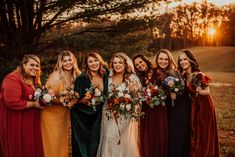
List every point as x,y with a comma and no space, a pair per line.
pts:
203,127
178,125
118,136
20,132
86,121
153,126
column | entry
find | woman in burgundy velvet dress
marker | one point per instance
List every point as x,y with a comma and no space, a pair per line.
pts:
20,132
203,128
154,126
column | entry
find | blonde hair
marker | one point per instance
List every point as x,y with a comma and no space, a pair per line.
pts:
128,64
172,65
20,69
103,65
59,66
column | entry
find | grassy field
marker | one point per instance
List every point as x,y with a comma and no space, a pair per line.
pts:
219,64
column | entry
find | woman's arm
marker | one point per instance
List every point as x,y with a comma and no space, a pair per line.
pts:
205,91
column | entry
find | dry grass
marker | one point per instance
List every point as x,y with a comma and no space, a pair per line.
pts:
219,64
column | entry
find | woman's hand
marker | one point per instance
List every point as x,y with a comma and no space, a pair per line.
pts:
201,91
35,104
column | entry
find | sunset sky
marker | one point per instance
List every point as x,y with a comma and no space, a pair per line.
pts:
217,2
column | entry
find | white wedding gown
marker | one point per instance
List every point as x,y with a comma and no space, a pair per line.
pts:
114,143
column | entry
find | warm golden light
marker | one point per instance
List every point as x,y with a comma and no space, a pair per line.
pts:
211,31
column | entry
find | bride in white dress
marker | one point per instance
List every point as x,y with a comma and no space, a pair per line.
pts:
119,136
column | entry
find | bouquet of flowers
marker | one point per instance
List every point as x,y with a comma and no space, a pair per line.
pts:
124,102
69,97
44,95
199,79
174,85
153,95
95,96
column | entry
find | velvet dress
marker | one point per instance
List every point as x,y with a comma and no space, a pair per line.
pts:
178,125
203,128
154,124
20,132
85,121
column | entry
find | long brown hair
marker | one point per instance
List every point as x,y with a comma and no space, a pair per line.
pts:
192,60
59,65
20,69
103,64
144,58
129,67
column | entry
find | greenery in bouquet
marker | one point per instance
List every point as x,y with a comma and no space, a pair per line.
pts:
174,85
200,79
95,96
43,95
153,95
124,102
69,97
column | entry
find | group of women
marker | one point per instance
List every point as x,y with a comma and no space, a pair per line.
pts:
28,129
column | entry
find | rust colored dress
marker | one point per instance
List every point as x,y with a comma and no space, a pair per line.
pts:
203,128
154,125
20,132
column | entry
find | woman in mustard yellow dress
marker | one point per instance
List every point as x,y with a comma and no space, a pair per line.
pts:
55,119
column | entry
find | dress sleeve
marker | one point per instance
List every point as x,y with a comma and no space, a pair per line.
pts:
81,84
12,93
135,78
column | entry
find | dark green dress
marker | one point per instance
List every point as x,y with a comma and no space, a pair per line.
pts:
85,121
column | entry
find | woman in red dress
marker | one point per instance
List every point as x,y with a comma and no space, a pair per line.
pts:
20,132
153,126
203,128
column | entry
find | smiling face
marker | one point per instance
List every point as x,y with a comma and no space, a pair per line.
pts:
31,68
163,60
184,62
118,65
93,64
140,64
67,63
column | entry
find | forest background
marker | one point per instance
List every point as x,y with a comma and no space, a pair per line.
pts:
46,27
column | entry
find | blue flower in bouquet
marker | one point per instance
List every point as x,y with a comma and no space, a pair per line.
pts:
174,85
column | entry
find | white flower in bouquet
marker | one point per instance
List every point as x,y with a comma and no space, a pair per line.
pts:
171,83
47,98
128,107
176,89
176,79
155,87
37,93
127,96
120,94
122,106
97,92
72,92
93,102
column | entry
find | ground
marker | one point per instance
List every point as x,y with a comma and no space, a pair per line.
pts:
219,64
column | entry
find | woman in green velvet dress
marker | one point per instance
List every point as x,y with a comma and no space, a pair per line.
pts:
86,119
